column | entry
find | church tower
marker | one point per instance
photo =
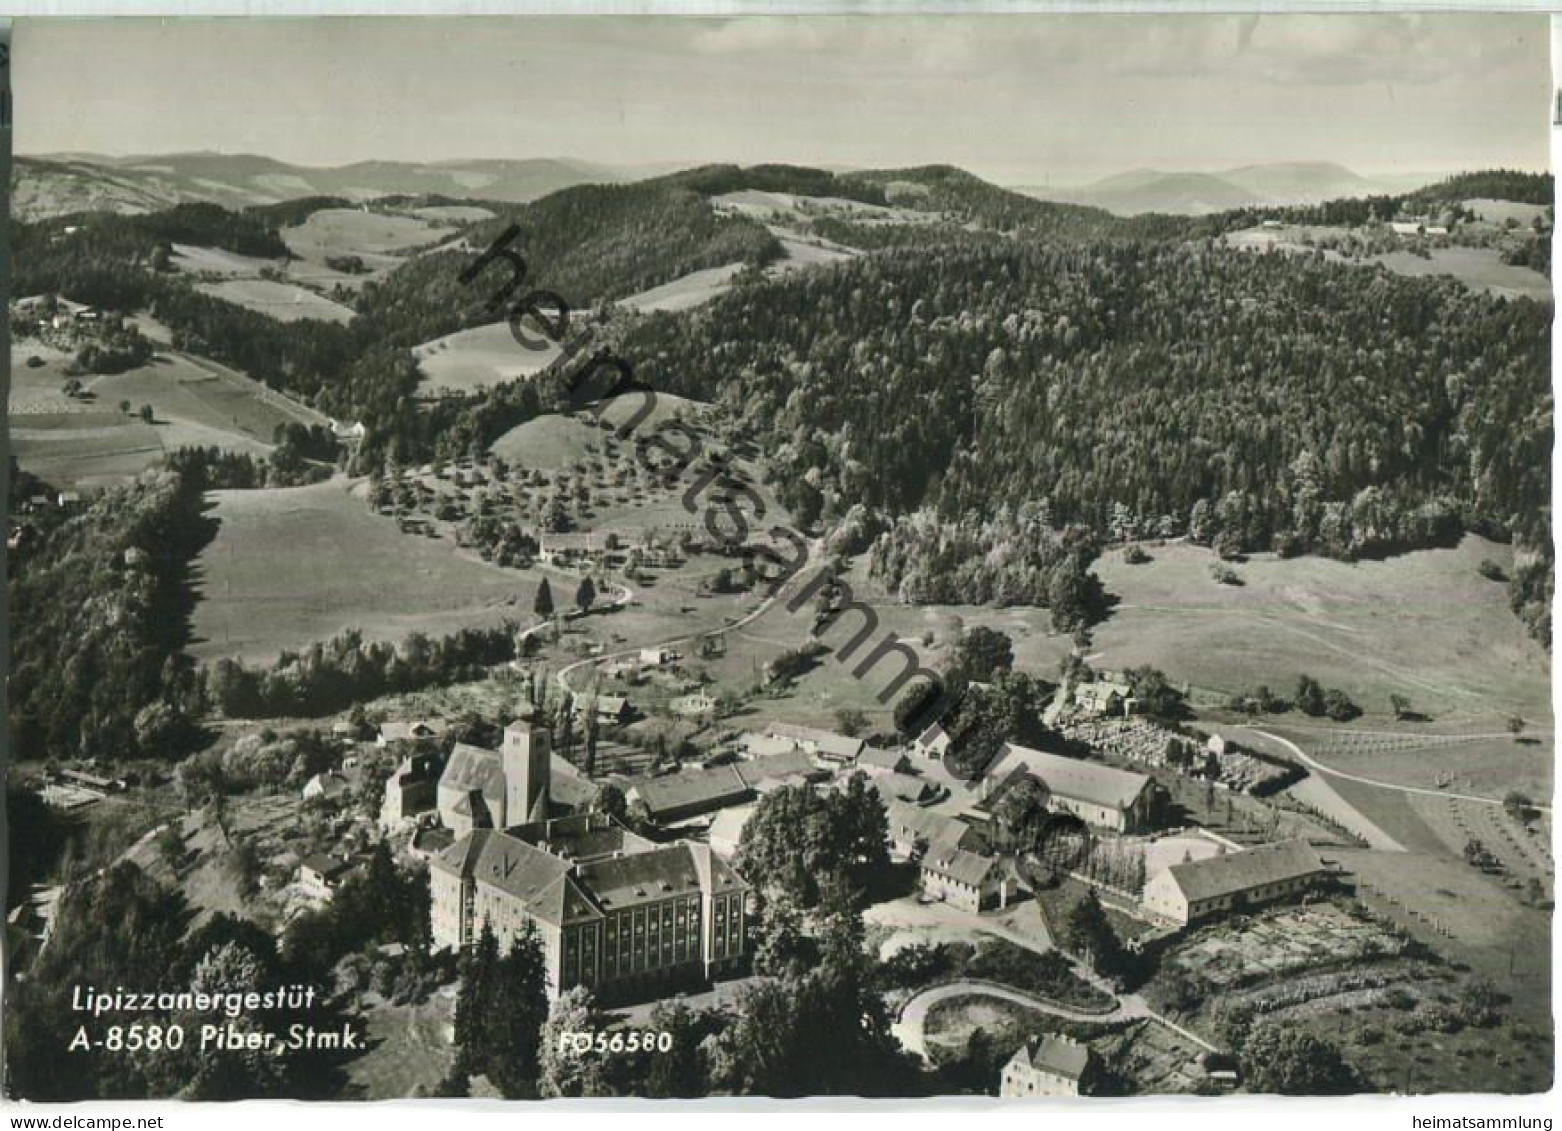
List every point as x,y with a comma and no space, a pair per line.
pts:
526,770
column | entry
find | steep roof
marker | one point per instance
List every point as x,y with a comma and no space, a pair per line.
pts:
541,883
1058,1055
471,768
1070,778
328,867
938,830
959,864
1217,876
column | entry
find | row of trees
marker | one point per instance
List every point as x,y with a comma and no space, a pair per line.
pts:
347,669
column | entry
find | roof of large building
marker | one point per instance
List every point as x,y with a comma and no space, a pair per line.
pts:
784,765
471,769
644,877
690,787
584,836
1217,876
1071,778
1061,1056
827,742
540,882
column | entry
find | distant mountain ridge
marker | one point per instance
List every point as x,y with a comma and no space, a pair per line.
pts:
56,185
1200,193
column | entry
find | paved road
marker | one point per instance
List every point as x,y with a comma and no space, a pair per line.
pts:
1313,764
911,1028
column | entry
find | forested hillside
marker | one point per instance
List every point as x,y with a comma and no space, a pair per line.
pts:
99,618
1136,389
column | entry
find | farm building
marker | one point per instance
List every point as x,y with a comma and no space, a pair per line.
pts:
615,710
320,876
411,730
823,743
1185,893
331,786
657,657
1105,697
1053,1066
877,761
933,742
788,766
1103,796
904,787
571,549
914,831
690,793
964,879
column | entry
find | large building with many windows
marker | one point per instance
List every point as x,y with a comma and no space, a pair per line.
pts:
626,918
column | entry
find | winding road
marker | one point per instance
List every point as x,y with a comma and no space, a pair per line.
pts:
911,1028
1329,771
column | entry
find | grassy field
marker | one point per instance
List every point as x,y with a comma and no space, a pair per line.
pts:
88,442
1424,625
282,301
692,290
551,442
349,231
292,566
1479,268
477,358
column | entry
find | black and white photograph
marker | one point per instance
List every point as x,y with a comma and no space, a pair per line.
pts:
715,557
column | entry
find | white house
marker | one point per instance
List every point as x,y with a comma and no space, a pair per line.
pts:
964,879
933,742
1054,1066
1197,889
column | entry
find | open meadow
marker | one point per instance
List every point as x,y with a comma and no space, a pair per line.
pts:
1425,625
291,566
477,358
87,441
283,301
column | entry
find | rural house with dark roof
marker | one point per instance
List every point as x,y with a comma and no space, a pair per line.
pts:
1055,1065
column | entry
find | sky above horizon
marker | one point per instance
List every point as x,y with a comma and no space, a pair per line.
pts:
1017,99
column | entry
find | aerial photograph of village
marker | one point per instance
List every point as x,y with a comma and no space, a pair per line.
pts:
777,557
